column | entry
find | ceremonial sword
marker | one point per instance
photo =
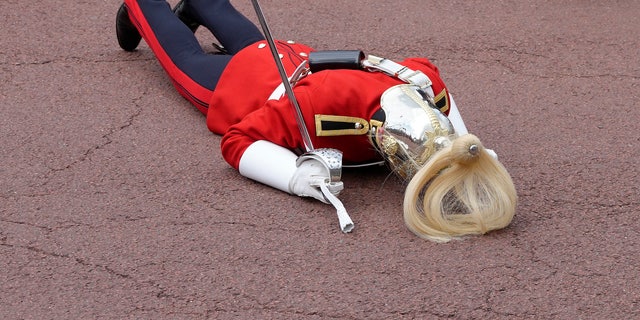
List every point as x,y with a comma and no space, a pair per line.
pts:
308,145
346,225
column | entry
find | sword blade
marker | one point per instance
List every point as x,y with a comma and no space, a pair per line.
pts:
306,138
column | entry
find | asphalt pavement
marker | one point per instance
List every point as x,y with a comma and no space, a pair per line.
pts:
115,202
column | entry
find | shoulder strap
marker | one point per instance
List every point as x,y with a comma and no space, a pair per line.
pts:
396,70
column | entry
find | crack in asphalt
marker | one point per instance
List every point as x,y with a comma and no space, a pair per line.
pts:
138,57
45,228
79,261
107,137
87,154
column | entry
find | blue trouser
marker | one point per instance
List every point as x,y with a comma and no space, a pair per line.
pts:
194,72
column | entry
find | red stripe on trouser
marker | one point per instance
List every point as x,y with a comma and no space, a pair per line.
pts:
198,95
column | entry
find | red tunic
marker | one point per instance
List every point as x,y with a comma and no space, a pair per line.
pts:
241,112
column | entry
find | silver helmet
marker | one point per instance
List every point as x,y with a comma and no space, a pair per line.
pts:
412,131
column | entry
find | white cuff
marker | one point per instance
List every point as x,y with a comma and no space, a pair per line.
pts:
268,163
456,119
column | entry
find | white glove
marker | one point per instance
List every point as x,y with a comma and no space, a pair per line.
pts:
308,178
275,166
